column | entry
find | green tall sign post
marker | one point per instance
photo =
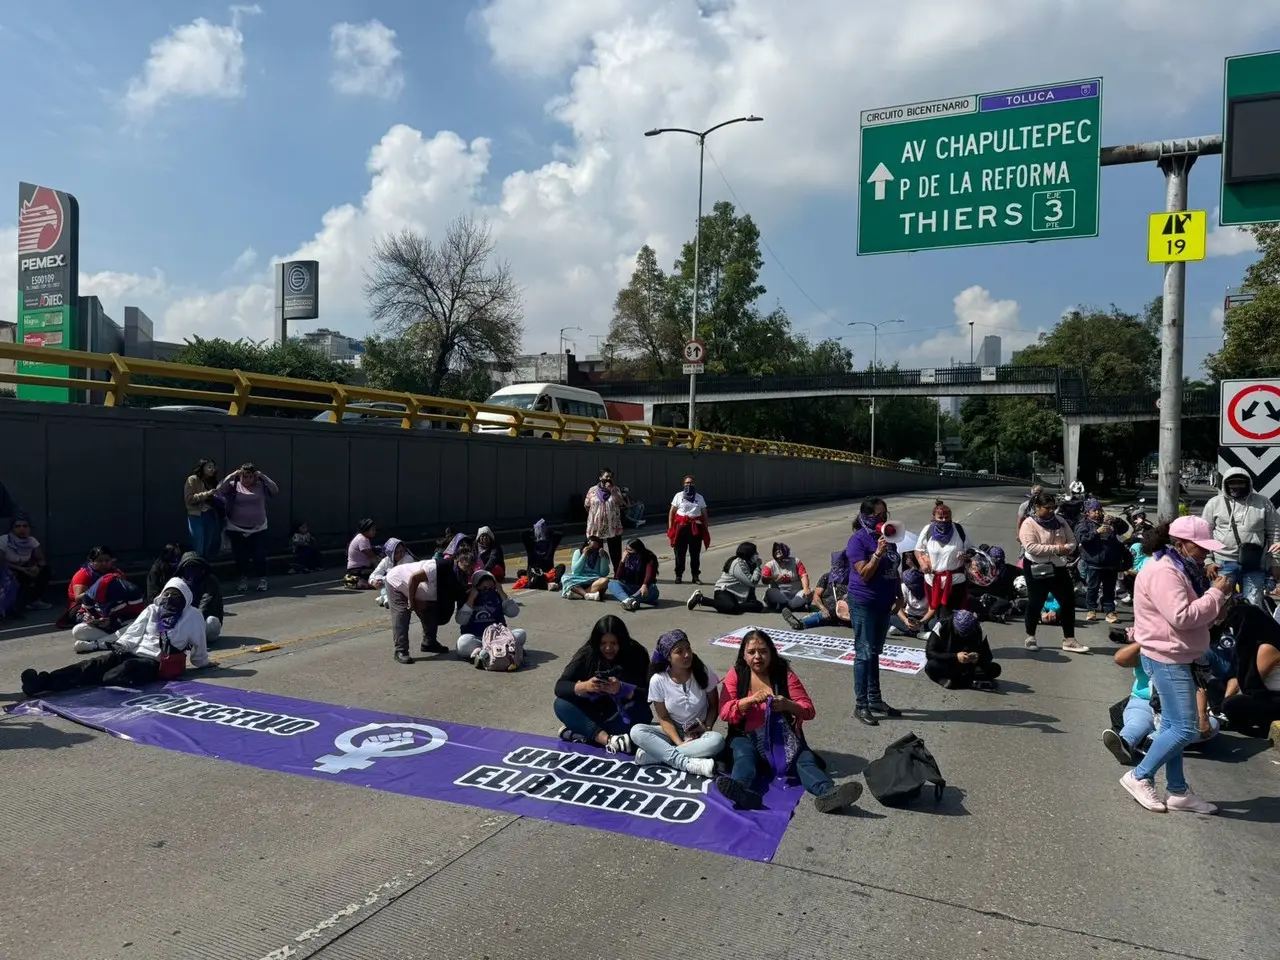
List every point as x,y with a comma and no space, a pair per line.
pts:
1251,150
48,283
1009,167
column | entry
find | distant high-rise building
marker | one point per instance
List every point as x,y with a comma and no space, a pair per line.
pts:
989,352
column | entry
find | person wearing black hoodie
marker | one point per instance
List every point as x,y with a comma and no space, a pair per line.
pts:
1252,702
604,690
540,546
958,654
206,590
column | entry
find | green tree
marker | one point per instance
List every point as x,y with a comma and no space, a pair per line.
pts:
449,305
1251,346
646,325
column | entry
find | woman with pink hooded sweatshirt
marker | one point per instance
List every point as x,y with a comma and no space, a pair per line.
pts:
1174,605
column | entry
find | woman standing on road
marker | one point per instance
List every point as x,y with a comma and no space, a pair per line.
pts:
199,494
246,492
687,530
1047,544
943,551
1174,605
873,592
605,503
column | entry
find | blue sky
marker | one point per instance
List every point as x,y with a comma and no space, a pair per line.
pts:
204,140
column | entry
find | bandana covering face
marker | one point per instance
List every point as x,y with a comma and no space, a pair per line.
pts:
997,556
20,544
783,549
1052,523
633,563
1194,570
914,580
868,522
171,604
839,568
540,531
602,492
690,493
942,530
666,643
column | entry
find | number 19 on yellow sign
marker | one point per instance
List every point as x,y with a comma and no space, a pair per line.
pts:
1176,237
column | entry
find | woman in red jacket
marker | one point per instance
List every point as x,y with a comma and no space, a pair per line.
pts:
765,706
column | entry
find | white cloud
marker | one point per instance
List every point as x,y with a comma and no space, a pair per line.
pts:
1217,317
990,317
200,59
248,257
570,227
365,60
1228,241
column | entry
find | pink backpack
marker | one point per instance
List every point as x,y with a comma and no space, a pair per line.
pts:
499,649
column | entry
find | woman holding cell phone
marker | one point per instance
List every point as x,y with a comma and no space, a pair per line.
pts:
685,698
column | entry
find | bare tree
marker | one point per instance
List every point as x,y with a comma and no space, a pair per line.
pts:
450,301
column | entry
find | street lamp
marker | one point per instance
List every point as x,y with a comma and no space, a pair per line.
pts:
875,360
971,343
697,235
561,364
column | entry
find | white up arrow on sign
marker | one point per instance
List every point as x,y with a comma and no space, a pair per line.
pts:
880,176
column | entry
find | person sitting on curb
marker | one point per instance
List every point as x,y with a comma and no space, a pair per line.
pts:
602,692
395,552
958,655
170,623
362,556
766,707
486,604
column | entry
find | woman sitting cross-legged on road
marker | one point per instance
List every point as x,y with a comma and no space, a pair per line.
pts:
601,693
787,581
486,604
588,575
766,706
636,579
685,700
830,598
735,591
958,654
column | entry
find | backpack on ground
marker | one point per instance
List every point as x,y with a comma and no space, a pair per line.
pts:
500,650
897,777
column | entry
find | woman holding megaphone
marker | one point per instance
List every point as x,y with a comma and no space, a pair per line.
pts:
873,594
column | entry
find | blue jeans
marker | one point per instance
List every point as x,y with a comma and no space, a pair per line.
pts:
1179,722
1252,584
625,591
745,761
206,534
577,720
1139,722
659,748
1100,588
870,627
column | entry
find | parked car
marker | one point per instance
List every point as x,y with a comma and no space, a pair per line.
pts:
352,416
909,462
535,398
950,467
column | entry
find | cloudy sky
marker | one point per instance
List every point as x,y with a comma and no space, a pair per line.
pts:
206,141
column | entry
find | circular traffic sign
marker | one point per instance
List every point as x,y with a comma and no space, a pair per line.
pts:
1243,409
694,351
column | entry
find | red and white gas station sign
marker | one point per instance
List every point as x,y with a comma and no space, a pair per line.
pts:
1250,413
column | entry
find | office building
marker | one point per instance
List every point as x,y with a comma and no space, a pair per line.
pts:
989,352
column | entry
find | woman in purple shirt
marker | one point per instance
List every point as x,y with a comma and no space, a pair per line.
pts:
874,589
246,493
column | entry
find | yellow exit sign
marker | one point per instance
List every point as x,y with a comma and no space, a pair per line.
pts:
1176,237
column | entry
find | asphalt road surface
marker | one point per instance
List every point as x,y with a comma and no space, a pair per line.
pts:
115,850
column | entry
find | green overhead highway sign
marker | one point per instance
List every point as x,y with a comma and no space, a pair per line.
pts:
1008,167
1251,149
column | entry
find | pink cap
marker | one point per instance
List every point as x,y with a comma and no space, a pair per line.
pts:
1197,530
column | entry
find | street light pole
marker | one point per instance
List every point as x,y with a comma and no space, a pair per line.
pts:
697,234
971,343
875,362
560,363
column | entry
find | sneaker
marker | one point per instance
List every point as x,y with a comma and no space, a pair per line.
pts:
242,584
630,604
741,796
1074,646
895,632
1189,803
619,743
640,758
1117,747
1030,643
91,646
700,768
838,797
262,585
1091,617
1144,791
593,596
792,620
433,646
39,605
695,579
694,600
30,683
568,736
1112,618
1118,635
883,709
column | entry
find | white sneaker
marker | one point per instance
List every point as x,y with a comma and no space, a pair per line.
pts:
262,585
630,604
701,768
242,584
591,596
90,646
895,632
1030,643
1144,791
619,743
1189,803
1074,646
641,758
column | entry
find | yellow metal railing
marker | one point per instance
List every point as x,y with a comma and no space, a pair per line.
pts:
239,391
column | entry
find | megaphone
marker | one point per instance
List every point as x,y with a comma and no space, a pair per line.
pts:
891,532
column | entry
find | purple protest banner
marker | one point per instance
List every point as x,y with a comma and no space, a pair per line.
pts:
514,773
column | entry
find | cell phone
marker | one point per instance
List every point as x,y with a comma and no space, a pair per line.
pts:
693,726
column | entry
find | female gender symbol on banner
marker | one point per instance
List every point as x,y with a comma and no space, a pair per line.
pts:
1253,413
404,740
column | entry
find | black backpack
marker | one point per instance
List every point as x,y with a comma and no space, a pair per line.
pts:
907,765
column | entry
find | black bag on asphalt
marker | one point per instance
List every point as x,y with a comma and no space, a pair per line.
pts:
897,777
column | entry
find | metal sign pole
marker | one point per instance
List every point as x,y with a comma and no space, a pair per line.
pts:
1176,167
697,243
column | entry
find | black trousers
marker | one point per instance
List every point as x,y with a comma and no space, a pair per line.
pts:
961,674
1252,713
725,602
1063,590
689,544
31,589
615,552
109,670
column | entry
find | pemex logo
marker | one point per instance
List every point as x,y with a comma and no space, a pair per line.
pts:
40,222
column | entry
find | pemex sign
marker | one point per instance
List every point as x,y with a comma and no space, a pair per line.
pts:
1008,167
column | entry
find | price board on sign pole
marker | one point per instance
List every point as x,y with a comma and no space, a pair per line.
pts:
1250,413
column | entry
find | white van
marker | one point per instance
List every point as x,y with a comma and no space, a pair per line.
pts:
535,398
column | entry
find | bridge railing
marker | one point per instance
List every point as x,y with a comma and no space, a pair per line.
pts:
1195,403
131,381
856,380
